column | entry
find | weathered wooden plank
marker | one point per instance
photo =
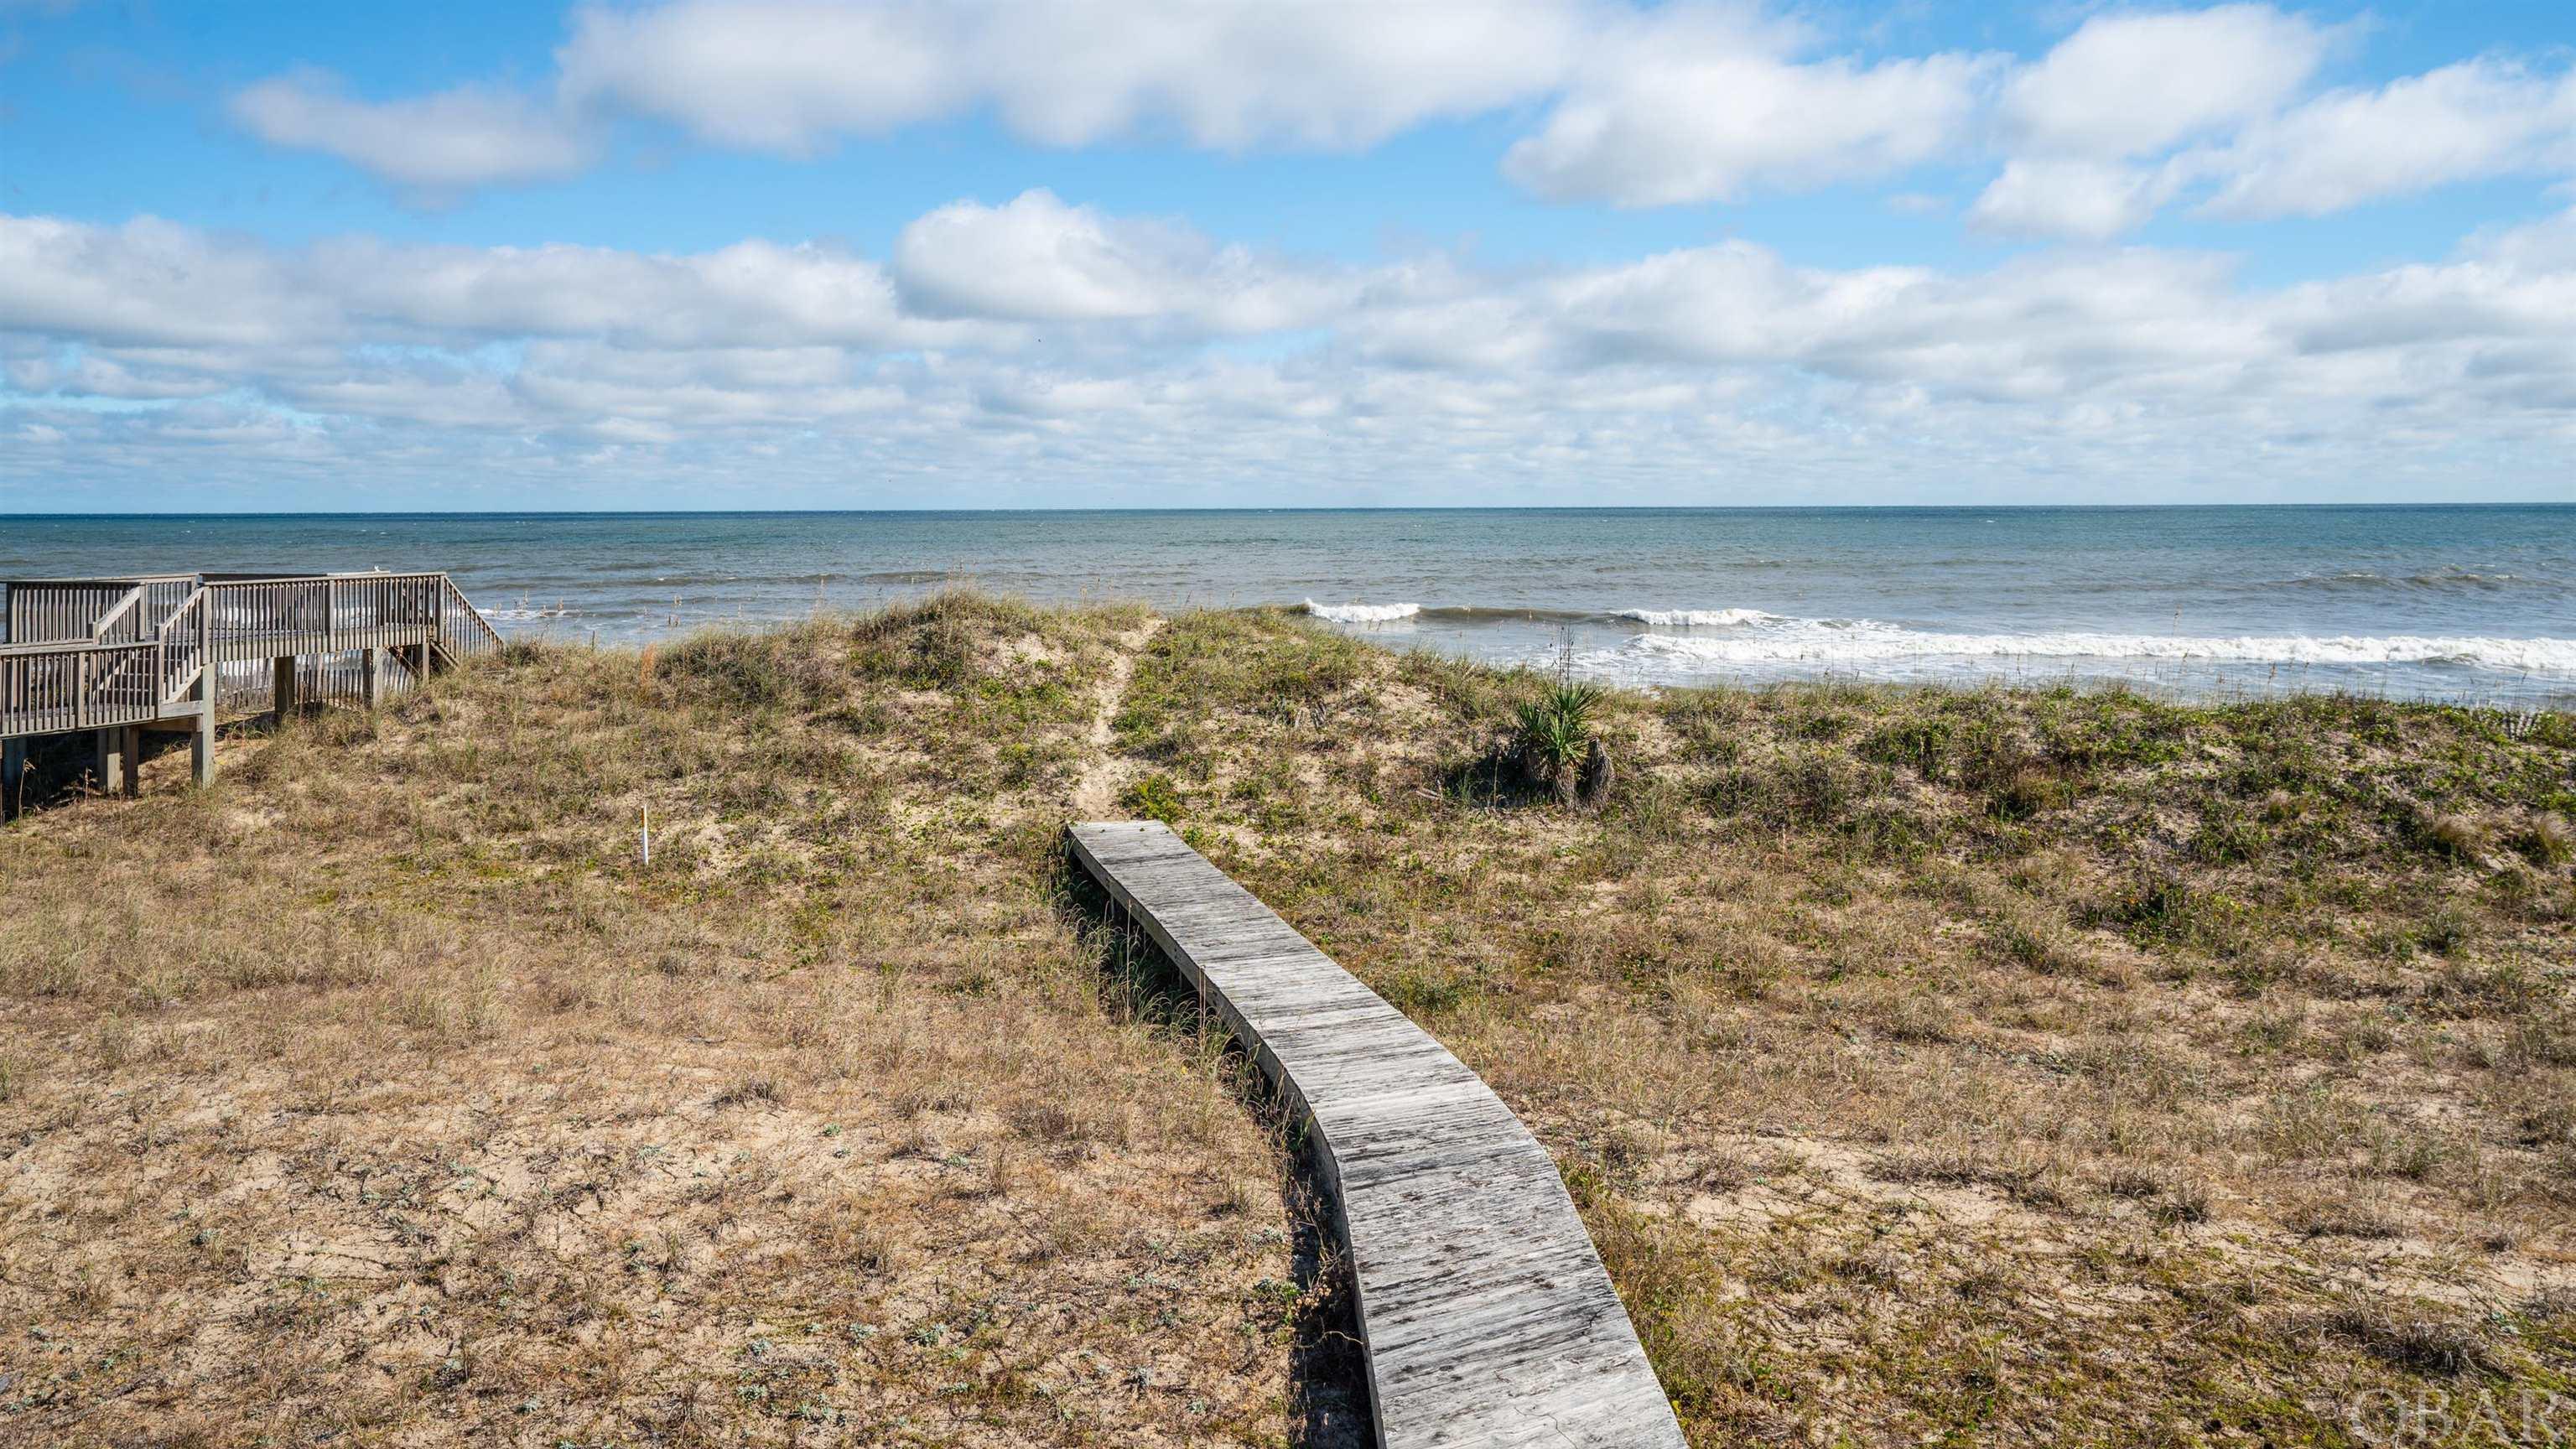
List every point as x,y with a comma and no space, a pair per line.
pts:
1484,1311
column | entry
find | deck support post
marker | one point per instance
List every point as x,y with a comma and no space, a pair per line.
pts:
371,674
130,748
201,740
282,690
109,764
13,776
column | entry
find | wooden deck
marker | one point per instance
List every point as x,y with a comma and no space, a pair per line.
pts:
113,657
1486,1315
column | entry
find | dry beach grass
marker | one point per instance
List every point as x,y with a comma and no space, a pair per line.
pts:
1998,1066
382,1095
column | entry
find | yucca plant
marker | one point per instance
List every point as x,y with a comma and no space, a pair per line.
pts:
1555,738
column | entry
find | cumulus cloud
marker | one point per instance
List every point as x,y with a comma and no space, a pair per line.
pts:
439,143
147,344
2133,113
2063,197
1037,259
1685,102
153,283
148,281
2463,122
1697,105
2126,84
795,74
1631,103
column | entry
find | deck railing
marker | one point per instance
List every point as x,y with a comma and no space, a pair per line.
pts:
133,650
45,688
124,622
268,618
55,611
462,629
183,646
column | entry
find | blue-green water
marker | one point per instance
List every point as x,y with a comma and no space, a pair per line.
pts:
2474,602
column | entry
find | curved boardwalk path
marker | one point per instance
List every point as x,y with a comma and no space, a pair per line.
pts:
1485,1313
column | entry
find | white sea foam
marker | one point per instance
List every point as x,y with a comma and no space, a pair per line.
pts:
1697,618
1362,613
1862,642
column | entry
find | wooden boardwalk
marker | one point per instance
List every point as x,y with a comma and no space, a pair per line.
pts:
113,658
1485,1313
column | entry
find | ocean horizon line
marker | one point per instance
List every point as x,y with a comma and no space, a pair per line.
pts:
1409,508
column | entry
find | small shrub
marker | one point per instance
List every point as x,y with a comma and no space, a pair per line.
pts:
2545,841
1553,734
1156,798
2028,791
1917,743
2228,835
2460,837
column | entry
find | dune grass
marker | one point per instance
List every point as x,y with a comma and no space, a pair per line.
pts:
1954,1066
1966,1066
382,1095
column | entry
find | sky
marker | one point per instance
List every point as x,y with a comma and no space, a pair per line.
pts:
782,253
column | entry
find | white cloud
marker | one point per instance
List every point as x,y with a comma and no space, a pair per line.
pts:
749,293
1634,103
793,75
148,281
2133,113
1683,102
2085,200
2051,327
777,76
2464,122
2128,84
149,347
2547,245
1700,105
1037,259
439,143
152,283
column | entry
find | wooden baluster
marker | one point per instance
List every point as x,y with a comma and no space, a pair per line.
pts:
201,741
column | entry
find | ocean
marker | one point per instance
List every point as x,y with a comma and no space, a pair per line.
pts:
2453,602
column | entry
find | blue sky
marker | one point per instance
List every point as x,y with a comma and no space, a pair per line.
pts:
742,253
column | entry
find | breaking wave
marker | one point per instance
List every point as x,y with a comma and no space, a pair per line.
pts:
1862,642
1682,642
1487,614
1362,613
1696,618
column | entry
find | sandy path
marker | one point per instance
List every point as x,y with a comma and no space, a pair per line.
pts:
1105,774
